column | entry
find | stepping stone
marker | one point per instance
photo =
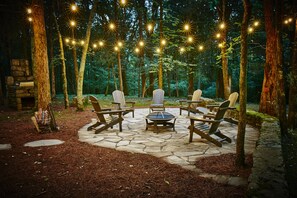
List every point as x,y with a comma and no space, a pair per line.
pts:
5,146
38,143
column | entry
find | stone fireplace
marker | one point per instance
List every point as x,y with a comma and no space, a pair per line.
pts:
20,85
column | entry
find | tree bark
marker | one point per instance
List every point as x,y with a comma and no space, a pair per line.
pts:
224,14
160,67
268,101
282,107
191,81
74,54
240,154
83,59
292,116
40,55
64,76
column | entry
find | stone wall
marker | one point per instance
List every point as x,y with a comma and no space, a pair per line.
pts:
268,173
20,97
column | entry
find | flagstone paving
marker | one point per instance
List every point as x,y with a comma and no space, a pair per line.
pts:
172,146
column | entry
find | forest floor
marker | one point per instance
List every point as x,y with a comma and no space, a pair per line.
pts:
76,169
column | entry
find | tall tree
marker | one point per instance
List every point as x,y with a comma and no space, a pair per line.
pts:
292,116
268,101
83,59
224,14
141,64
160,68
240,154
40,55
282,115
62,56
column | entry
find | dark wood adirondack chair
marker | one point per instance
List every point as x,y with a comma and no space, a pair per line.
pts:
206,130
119,100
104,122
227,117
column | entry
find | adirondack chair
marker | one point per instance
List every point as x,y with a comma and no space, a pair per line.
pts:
104,122
119,100
158,101
227,117
206,130
191,105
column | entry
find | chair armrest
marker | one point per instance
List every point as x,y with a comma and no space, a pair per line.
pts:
103,109
131,102
182,101
110,112
204,120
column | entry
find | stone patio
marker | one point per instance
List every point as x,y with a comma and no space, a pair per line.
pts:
172,146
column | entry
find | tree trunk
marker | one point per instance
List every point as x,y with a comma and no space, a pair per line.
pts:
191,81
282,107
160,68
219,84
292,117
40,55
74,54
108,80
224,14
83,60
268,101
240,154
64,76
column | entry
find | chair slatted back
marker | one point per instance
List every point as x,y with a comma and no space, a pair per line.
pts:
118,96
97,108
219,116
196,96
233,98
158,96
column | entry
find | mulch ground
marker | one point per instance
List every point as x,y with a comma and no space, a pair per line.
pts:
76,169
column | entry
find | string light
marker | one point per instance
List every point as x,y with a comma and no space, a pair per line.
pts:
137,50
222,25
123,2
116,48
95,46
256,23
72,23
158,50
190,39
163,42
250,29
101,43
30,19
74,7
150,27
67,40
120,43
141,43
82,42
73,42
200,47
182,50
218,35
29,11
187,27
111,26
289,20
221,45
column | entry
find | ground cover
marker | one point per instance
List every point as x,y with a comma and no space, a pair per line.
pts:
76,169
